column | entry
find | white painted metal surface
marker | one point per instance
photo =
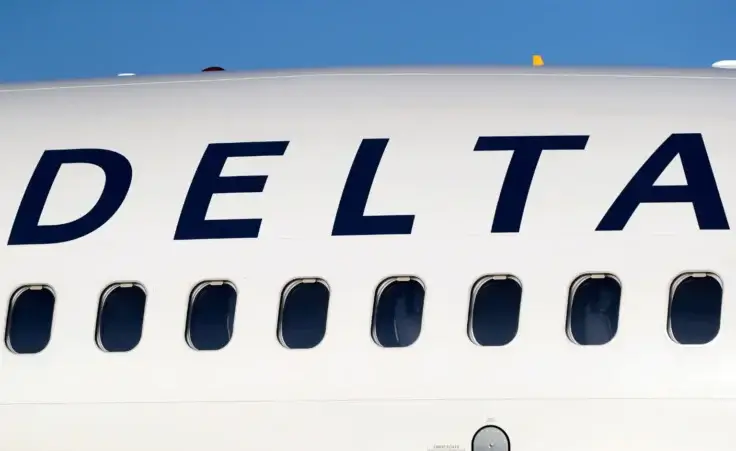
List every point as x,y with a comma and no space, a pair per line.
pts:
641,391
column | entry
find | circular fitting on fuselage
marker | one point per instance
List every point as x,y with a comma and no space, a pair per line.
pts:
491,438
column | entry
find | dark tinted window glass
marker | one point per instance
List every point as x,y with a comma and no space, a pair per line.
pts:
29,321
695,309
397,320
304,315
494,314
593,310
120,322
211,316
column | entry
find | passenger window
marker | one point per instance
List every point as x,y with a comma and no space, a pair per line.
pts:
303,316
593,308
494,311
398,307
30,314
211,315
695,308
120,317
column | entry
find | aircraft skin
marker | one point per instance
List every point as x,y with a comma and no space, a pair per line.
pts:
640,391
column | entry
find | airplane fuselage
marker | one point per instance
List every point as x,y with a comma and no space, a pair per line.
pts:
444,178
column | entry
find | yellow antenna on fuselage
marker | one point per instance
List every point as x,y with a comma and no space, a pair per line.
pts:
537,61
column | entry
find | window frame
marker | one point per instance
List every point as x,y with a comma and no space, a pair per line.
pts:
288,288
380,288
479,283
100,305
193,296
574,286
673,289
11,305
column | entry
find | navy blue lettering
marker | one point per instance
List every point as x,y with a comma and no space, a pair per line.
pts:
350,218
701,189
207,182
515,189
118,176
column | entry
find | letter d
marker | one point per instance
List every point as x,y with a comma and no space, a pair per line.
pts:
118,176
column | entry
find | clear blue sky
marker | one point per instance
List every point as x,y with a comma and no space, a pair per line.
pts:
53,39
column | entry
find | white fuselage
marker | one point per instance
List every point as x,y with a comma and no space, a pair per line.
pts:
641,390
